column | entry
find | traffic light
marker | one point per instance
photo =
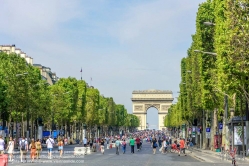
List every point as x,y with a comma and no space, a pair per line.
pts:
39,122
195,122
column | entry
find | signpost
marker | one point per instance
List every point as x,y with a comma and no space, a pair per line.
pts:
193,131
208,133
220,127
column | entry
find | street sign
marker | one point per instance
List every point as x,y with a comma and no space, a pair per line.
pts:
208,135
220,126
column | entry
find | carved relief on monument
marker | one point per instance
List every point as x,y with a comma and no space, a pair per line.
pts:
147,106
138,108
165,107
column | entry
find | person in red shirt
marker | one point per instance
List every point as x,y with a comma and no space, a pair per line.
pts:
182,146
138,143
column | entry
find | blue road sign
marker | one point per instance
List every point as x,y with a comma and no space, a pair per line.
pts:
220,126
208,129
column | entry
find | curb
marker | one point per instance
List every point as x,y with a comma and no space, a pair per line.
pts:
216,155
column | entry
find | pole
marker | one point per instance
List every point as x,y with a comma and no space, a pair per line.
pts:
225,127
27,107
81,73
247,128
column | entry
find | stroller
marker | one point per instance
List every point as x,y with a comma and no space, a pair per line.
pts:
175,148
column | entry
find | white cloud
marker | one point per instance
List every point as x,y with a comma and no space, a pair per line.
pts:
35,18
147,17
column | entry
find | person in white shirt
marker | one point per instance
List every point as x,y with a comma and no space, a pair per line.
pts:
85,142
2,143
23,144
10,149
50,144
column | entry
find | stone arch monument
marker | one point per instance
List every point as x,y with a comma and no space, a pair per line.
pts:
143,100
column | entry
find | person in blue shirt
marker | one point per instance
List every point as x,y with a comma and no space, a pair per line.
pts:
117,144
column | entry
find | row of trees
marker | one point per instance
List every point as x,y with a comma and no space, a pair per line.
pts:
24,96
217,64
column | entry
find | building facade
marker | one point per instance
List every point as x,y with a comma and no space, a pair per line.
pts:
12,49
46,72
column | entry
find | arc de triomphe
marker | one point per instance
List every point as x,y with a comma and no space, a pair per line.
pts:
143,100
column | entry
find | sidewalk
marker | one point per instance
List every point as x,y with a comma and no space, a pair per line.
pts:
211,156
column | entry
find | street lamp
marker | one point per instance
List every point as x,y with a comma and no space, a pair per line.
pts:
204,52
21,74
26,89
208,23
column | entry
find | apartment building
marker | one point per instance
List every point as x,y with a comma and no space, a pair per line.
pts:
12,49
46,72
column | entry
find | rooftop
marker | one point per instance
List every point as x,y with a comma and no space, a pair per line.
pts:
152,91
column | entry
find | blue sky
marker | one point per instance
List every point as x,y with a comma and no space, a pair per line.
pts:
123,45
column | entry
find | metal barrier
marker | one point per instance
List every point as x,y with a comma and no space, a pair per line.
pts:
242,155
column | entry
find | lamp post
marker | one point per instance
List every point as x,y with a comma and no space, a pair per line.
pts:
27,108
208,125
209,23
84,131
12,129
204,52
220,130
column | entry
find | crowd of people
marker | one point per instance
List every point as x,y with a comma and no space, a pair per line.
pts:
158,140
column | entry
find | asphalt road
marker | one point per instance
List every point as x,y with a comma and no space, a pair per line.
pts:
141,158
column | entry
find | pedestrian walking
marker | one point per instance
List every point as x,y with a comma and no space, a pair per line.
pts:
50,145
23,144
132,143
124,146
138,143
65,141
164,147
117,144
182,147
160,142
85,142
60,147
191,145
2,143
154,145
91,143
107,142
141,142
38,148
10,149
32,148
102,146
